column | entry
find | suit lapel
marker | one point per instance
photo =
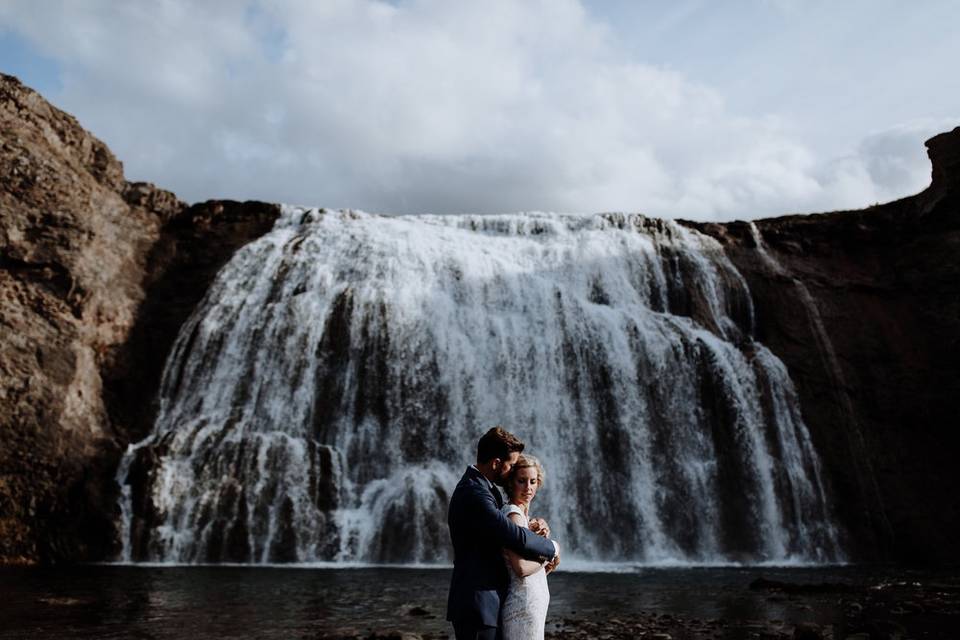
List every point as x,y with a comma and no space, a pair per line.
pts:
497,496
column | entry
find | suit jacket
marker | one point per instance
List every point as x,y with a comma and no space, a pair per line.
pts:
480,533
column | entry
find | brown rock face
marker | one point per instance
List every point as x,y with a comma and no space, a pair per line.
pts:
864,309
79,249
72,261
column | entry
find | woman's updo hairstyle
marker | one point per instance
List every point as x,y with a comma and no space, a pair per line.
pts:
526,461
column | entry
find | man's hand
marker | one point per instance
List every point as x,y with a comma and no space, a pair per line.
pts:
540,527
553,564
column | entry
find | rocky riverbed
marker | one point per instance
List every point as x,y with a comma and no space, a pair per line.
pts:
896,609
883,610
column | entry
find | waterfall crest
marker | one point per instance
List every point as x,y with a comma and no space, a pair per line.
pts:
323,399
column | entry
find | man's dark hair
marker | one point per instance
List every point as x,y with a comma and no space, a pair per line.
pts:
497,443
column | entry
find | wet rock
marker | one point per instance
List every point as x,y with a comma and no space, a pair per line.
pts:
65,601
807,631
762,584
882,630
862,308
190,249
913,607
352,634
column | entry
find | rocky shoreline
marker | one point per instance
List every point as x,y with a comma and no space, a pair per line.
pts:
883,610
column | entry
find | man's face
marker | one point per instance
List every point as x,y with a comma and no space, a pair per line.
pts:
505,466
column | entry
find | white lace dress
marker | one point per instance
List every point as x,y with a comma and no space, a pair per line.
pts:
523,613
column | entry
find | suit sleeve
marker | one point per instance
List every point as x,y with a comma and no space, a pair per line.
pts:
491,522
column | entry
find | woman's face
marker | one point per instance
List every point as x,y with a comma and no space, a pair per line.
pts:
524,485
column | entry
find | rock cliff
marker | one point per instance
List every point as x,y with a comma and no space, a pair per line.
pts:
864,309
97,274
82,341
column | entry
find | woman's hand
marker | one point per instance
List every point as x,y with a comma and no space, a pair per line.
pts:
540,527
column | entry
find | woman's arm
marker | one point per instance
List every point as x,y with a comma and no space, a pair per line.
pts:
487,519
520,566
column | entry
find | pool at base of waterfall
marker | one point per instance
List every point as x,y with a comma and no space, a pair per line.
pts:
214,602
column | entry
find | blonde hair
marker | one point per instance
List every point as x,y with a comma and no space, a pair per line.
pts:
527,462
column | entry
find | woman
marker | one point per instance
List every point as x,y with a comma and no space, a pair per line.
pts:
524,611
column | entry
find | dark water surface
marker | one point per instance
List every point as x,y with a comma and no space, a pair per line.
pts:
246,602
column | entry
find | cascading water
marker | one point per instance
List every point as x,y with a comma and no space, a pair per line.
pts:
324,398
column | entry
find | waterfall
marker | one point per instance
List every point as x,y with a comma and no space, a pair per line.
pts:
324,398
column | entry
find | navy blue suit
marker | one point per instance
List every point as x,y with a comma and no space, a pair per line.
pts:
480,533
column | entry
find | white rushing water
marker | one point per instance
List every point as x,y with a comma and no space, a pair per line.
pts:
323,399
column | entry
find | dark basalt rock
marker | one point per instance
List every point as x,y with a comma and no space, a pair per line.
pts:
864,309
191,248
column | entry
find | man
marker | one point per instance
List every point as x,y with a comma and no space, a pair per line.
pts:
480,532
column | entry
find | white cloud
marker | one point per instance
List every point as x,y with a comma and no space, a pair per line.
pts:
434,106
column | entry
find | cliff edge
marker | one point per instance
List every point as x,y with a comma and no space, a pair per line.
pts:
80,250
864,309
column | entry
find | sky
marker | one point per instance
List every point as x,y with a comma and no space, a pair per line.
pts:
695,109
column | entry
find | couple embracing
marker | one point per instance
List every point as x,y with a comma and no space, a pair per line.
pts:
501,557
